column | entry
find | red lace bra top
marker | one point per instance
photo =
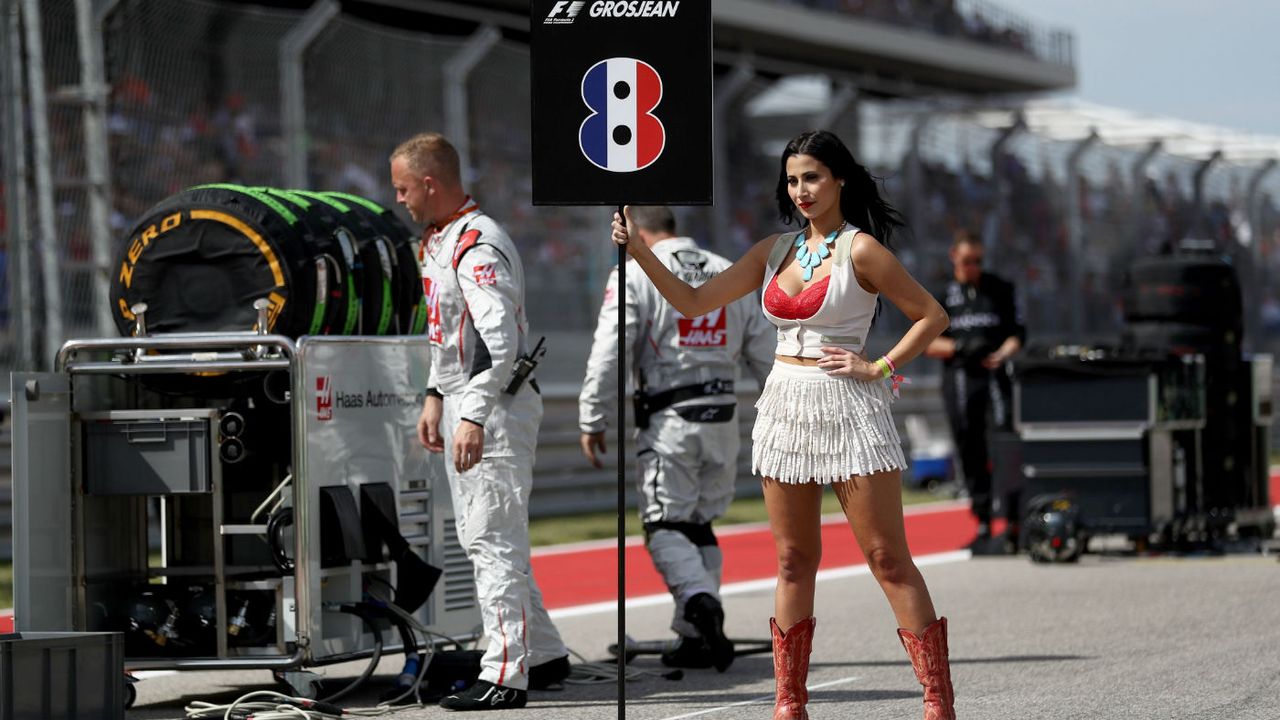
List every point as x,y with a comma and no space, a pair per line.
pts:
802,306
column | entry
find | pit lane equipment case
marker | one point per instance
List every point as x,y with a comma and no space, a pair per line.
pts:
155,477
1122,433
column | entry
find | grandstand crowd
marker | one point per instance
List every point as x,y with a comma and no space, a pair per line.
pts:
983,24
168,132
156,153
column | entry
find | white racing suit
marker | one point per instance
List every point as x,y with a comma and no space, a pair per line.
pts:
688,455
474,285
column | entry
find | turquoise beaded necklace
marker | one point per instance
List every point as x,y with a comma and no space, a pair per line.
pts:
810,259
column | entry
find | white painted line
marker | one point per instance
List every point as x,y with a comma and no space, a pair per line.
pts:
144,674
940,506
931,508
608,606
762,700
935,507
584,546
749,586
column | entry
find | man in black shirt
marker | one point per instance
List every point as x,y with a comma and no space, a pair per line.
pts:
986,330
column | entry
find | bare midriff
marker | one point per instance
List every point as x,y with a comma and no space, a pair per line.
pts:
797,360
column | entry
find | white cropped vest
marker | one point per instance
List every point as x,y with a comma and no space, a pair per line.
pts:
841,321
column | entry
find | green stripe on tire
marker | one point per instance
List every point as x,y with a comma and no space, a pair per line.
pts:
254,193
320,197
357,200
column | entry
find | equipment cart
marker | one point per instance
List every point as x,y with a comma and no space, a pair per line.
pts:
233,500
1129,438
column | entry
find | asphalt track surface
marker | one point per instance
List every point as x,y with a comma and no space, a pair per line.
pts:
1115,636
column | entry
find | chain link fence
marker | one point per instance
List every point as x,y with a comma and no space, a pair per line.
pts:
195,96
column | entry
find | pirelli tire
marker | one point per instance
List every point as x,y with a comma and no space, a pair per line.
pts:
411,309
1193,290
327,263
376,261
338,249
200,258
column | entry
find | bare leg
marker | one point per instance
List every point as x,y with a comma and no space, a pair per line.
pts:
795,512
873,506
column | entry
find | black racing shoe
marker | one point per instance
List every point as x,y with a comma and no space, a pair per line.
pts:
707,615
982,542
690,653
484,695
1010,540
551,672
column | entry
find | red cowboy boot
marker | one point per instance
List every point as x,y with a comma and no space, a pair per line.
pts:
791,668
928,652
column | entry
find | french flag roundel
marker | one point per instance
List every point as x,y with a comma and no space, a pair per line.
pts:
622,134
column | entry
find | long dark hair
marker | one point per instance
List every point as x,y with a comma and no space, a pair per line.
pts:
860,202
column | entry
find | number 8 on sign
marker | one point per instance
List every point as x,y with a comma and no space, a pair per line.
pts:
621,134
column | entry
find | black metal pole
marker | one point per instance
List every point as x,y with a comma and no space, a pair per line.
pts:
622,476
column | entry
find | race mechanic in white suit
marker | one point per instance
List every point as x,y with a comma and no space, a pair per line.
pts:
483,414
683,371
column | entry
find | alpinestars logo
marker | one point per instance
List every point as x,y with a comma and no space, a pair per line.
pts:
570,11
498,696
708,415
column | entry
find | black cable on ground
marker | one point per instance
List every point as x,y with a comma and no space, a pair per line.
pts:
364,612
410,643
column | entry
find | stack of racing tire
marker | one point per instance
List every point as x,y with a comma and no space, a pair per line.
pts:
1192,303
327,263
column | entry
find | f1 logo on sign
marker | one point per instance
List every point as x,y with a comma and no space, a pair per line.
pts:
621,134
570,11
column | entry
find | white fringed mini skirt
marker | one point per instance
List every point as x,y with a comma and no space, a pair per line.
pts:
811,427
